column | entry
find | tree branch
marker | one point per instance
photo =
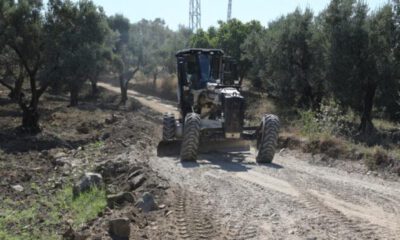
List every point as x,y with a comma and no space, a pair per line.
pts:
45,85
21,57
6,85
132,75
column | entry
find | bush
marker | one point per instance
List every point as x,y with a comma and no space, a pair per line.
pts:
378,158
310,126
330,120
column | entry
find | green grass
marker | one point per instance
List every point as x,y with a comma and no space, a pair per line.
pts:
42,218
96,145
87,206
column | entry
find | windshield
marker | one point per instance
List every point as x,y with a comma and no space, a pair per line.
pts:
205,68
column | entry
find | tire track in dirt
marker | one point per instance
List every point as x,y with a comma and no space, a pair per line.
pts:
265,213
326,217
369,210
241,226
336,224
192,221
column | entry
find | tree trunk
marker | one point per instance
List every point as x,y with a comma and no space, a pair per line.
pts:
95,89
30,120
155,79
307,98
366,126
124,90
16,92
124,79
74,94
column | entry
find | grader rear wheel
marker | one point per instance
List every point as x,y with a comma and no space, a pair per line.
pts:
267,140
168,127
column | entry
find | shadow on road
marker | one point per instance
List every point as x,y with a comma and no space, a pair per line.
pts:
271,165
226,161
190,164
234,162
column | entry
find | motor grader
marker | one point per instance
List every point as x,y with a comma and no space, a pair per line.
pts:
212,108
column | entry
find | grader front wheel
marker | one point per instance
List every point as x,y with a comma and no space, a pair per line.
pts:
191,137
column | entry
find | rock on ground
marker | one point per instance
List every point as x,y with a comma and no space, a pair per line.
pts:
136,182
120,228
18,188
86,182
119,199
146,203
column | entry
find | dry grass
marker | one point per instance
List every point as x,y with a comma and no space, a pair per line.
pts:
258,108
382,124
165,87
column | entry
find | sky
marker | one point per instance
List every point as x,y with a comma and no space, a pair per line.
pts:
176,12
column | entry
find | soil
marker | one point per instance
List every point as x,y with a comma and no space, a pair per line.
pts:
98,135
221,196
229,196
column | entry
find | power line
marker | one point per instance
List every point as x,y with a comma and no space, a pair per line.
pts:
194,15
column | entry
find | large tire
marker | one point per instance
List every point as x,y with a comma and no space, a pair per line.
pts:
191,137
267,139
169,127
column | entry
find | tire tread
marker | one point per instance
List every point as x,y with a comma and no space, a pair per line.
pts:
191,137
269,139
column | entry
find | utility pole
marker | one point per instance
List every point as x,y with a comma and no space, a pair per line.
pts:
194,15
229,11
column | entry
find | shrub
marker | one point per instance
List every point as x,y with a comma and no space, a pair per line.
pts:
310,126
378,158
330,120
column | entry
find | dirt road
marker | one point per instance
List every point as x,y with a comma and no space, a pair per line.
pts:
154,103
229,196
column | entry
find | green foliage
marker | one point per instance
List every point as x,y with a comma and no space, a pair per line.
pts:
121,26
385,70
96,145
229,36
79,32
309,124
346,30
149,38
345,53
48,212
22,33
202,40
176,41
85,207
333,118
290,61
329,121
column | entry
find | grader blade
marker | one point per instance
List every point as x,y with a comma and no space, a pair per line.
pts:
225,145
173,148
169,148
